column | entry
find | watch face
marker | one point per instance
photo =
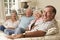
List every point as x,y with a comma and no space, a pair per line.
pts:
23,33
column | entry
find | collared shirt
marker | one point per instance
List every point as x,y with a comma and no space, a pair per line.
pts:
25,21
44,26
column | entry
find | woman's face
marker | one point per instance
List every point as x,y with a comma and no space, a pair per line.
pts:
37,15
13,15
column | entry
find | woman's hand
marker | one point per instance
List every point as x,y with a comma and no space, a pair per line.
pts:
15,36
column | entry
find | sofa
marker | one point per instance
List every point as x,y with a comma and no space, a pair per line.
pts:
47,37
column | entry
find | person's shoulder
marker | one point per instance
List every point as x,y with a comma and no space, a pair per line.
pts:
53,21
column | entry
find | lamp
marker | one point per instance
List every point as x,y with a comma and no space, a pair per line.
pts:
24,0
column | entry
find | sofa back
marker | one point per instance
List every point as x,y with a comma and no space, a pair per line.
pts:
58,25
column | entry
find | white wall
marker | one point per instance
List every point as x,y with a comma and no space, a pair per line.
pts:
1,10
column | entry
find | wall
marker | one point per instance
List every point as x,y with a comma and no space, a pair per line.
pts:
1,10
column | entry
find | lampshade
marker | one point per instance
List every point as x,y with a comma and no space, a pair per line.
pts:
24,0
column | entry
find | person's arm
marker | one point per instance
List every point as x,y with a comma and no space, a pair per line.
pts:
11,28
29,26
28,34
35,34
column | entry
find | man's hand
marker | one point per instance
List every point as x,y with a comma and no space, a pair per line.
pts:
10,37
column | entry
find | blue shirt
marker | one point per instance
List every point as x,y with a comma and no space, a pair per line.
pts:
25,21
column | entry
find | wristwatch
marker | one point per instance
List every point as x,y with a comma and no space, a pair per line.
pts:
24,34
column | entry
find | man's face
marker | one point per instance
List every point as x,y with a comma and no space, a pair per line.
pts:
48,14
28,12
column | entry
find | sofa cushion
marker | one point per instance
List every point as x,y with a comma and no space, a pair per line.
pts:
52,31
59,25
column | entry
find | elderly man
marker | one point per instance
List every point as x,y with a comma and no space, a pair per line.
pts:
48,21
23,23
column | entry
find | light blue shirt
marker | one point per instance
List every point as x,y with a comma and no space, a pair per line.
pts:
25,21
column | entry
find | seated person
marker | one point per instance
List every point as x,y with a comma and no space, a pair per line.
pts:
10,23
48,21
37,17
23,23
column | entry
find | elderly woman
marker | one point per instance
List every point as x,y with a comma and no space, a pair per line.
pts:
38,16
10,24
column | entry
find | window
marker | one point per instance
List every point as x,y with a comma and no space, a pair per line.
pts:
7,5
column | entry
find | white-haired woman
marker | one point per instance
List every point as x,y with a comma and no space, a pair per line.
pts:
37,18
